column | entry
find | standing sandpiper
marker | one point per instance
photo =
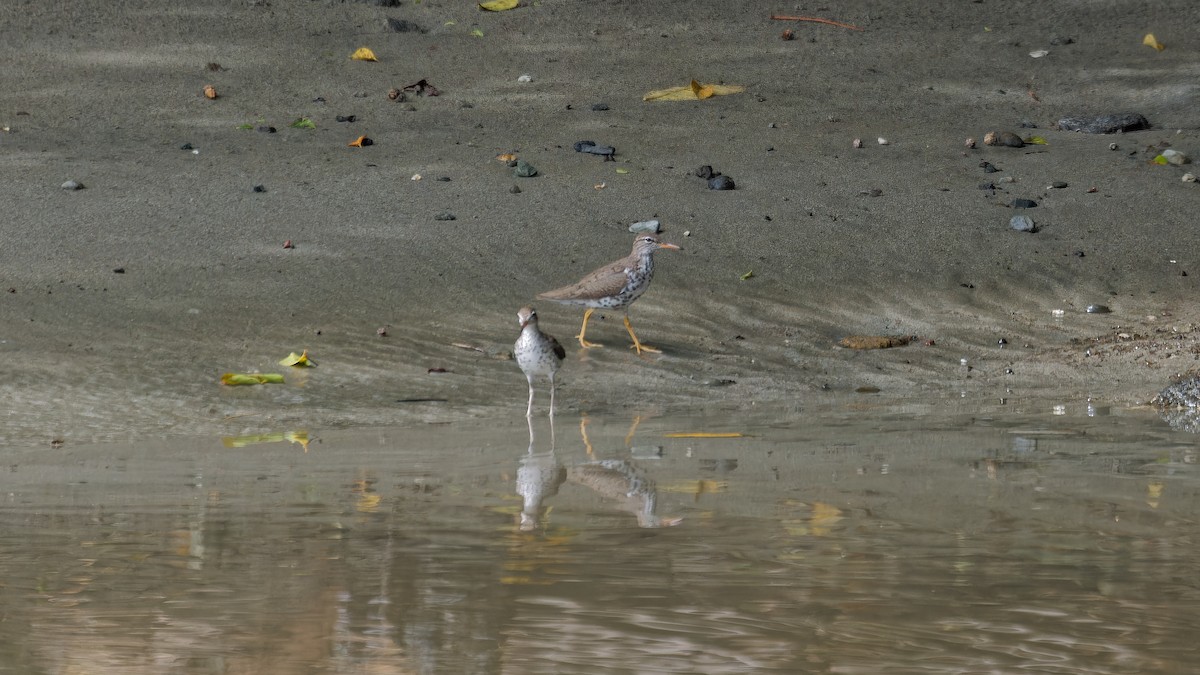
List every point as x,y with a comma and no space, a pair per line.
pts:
537,354
614,286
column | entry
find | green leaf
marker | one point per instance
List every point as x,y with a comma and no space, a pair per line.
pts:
304,123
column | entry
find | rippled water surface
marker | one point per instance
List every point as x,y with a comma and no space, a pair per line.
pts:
838,543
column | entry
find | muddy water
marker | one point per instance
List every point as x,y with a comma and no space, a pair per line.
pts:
1064,540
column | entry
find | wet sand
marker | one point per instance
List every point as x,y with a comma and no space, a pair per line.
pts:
886,239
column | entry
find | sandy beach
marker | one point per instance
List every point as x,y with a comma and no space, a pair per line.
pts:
124,302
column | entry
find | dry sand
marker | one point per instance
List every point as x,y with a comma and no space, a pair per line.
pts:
886,239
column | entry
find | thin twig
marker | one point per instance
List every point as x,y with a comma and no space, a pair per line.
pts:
814,19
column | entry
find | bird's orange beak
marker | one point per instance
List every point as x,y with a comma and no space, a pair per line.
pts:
670,246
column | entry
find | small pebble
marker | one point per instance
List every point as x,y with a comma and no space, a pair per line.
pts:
1175,157
258,188
443,179
706,172
599,107
1023,204
987,186
1098,309
345,118
1006,179
1022,223
1104,124
857,143
650,226
72,185
988,167
882,141
1113,146
720,183
119,270
186,146
969,143
590,147
515,190
525,78
1003,138
445,215
1188,178
525,169
1058,185
265,129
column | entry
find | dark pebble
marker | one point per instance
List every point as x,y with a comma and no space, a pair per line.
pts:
988,167
265,129
443,179
1079,254
445,216
706,172
1026,124
599,107
119,270
1104,124
1098,309
259,188
720,183
516,190
345,118
987,186
186,146
525,169
1023,204
401,25
1065,40
1058,184
591,148
1009,140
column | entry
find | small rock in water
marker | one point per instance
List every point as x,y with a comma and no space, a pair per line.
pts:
1104,124
720,183
649,226
525,169
1022,224
1098,309
72,185
1023,204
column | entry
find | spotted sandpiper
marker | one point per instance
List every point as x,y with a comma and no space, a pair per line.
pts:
614,286
537,354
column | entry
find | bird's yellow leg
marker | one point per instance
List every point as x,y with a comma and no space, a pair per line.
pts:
583,329
637,344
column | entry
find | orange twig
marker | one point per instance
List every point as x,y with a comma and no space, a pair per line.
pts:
814,19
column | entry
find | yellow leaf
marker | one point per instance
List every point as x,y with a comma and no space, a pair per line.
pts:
704,434
1036,140
747,275
295,359
1160,160
622,171
235,379
363,54
1149,41
498,5
477,33
693,92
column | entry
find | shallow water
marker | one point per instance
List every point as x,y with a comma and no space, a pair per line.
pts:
1059,541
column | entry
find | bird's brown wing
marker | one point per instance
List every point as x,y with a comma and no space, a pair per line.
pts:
602,283
557,348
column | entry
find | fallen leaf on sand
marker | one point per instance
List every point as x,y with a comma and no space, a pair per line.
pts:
235,379
874,341
303,123
1149,41
1036,140
361,142
506,157
300,360
747,275
693,92
363,54
300,437
210,92
498,5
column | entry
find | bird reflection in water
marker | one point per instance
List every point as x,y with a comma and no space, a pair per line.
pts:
618,481
538,478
